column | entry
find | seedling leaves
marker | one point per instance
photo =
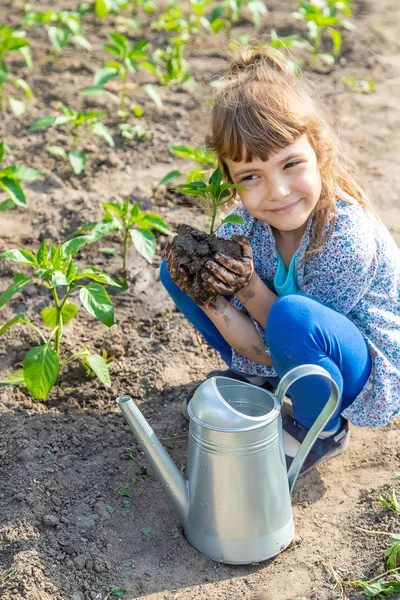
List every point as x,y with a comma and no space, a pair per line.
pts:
144,242
78,161
146,530
18,284
97,302
98,275
16,378
49,315
14,190
233,219
25,257
170,177
72,246
41,365
19,318
153,92
100,368
123,492
152,220
110,508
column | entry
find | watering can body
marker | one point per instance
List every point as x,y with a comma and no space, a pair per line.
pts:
235,505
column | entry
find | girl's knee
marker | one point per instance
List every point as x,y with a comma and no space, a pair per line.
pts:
292,314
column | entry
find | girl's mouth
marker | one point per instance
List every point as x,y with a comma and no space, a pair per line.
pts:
286,209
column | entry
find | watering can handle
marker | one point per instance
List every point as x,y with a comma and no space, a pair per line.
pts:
325,415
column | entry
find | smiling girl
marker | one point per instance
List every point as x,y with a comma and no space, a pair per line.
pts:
319,278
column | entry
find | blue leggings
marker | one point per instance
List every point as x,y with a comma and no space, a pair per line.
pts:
299,330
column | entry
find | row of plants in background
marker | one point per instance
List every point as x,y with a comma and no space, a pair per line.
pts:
55,269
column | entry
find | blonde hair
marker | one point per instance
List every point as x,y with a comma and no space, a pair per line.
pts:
262,107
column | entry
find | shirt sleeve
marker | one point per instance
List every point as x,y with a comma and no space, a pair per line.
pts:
340,274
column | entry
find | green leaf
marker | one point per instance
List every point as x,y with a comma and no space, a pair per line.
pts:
72,246
144,242
44,122
58,37
25,257
100,368
14,191
17,106
18,284
6,205
41,366
152,91
122,492
110,508
147,530
102,8
98,275
19,318
3,73
57,151
170,177
154,221
23,85
103,75
78,161
103,131
97,302
16,378
58,278
21,172
233,219
49,315
2,150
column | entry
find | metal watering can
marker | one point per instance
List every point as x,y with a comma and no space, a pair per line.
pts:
235,505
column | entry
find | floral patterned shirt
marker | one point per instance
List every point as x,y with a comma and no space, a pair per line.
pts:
356,273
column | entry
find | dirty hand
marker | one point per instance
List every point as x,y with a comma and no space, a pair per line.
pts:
178,274
226,276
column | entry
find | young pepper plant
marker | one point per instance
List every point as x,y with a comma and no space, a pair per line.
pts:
75,124
213,194
54,268
202,156
62,26
127,59
135,226
9,182
10,40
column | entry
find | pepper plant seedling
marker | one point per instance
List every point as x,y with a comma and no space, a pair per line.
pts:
54,268
9,182
127,59
135,225
62,26
10,40
324,16
213,195
175,64
75,124
201,155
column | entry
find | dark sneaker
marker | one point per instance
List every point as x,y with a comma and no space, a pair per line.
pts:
226,373
323,449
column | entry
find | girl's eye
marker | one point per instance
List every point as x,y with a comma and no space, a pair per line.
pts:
291,164
249,177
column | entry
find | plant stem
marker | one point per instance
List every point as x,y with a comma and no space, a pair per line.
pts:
357,583
123,91
58,321
126,248
79,354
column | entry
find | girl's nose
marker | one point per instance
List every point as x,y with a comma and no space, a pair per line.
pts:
278,190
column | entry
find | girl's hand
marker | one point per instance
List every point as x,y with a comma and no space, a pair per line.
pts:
227,276
178,275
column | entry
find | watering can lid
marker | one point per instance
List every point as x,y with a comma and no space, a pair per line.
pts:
225,403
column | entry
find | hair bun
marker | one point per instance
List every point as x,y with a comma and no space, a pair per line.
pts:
251,59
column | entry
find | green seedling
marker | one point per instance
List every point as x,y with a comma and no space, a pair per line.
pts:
373,588
174,69
174,19
110,508
393,504
135,226
62,27
102,8
13,40
77,125
123,492
127,59
363,86
207,160
392,554
54,268
9,182
213,194
134,132
325,17
146,530
118,591
231,11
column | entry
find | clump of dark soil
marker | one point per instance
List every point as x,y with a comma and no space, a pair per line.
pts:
193,249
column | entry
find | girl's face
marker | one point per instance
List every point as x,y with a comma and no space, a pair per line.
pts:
282,190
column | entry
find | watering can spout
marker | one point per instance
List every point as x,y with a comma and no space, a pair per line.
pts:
174,485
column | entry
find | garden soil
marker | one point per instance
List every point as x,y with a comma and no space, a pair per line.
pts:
66,533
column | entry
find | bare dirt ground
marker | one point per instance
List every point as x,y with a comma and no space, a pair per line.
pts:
63,532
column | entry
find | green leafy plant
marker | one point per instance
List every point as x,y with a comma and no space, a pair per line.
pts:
54,268
174,63
325,17
392,554
13,40
213,195
117,591
127,59
373,588
62,27
135,226
393,504
181,22
202,156
76,125
363,86
133,131
229,12
9,182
